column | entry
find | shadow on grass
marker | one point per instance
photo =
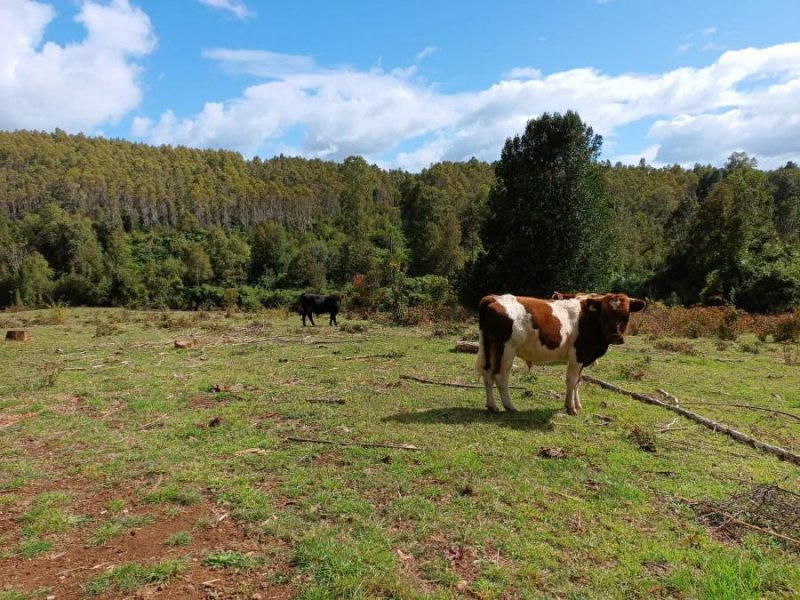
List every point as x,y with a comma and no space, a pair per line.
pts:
536,419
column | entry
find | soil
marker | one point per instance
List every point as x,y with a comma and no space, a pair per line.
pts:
73,561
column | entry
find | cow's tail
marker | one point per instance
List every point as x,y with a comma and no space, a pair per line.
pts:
484,339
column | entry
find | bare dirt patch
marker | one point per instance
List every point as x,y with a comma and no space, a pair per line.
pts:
74,560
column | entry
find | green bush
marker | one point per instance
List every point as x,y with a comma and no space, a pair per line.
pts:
429,290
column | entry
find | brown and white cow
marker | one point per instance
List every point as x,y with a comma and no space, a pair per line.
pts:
575,329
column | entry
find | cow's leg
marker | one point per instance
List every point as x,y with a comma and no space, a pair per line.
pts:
332,319
577,390
486,361
488,381
311,317
573,379
501,377
303,314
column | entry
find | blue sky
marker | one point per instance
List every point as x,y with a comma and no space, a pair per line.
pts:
408,83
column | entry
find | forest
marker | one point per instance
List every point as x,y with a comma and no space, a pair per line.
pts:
102,222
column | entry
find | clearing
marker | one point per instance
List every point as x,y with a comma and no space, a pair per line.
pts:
132,468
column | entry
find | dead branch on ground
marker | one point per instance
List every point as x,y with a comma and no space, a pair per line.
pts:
355,444
447,384
713,425
732,519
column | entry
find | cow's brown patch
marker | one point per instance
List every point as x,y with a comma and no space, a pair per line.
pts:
495,324
543,320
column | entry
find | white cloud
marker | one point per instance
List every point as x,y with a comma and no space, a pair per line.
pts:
78,86
747,100
236,7
261,63
648,154
425,52
523,73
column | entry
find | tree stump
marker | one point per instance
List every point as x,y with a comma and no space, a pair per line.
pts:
185,343
17,335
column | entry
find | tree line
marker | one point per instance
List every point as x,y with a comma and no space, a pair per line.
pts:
108,222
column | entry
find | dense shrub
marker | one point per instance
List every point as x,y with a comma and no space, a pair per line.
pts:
786,327
428,290
659,320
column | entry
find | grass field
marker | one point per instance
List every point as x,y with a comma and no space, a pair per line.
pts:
131,468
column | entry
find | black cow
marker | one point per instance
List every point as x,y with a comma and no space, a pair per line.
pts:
314,304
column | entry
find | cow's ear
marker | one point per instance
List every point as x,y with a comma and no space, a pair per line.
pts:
594,304
636,305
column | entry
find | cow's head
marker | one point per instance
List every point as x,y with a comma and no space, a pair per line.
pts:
613,311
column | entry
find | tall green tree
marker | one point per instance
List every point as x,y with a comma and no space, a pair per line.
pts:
549,220
270,253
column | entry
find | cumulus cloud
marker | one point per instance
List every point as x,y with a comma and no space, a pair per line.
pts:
78,86
236,7
745,100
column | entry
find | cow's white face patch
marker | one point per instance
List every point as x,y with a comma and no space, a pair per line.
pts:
614,302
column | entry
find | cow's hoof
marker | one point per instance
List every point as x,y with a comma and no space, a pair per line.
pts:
491,409
573,412
511,409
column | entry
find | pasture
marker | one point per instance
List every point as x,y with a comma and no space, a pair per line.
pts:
132,468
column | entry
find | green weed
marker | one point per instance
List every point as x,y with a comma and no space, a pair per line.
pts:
130,576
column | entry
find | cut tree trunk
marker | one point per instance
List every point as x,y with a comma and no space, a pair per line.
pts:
17,335
185,343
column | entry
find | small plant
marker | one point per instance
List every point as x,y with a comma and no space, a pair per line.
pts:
228,559
203,523
33,547
643,439
175,495
107,327
230,298
752,348
730,327
45,515
117,527
129,576
676,346
58,314
116,505
787,328
354,327
50,373
179,539
791,355
636,370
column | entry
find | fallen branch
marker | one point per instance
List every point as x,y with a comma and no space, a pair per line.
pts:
668,427
550,490
387,355
457,385
732,519
327,400
363,445
748,406
782,453
465,346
